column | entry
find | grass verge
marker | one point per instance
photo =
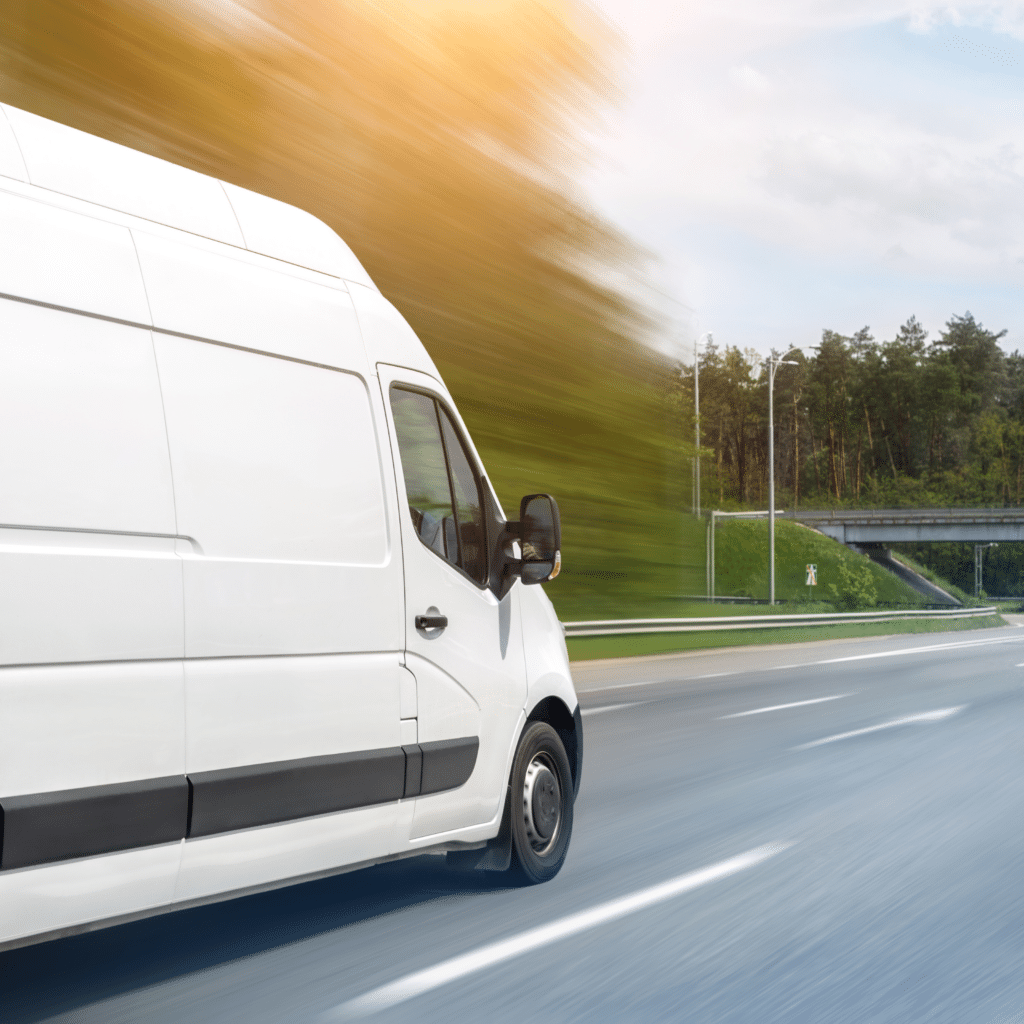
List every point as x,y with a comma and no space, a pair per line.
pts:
590,647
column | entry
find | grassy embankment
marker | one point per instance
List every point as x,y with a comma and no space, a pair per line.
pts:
741,569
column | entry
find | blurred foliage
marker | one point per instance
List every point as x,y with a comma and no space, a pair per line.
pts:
439,138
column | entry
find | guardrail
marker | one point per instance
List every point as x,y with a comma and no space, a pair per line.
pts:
621,627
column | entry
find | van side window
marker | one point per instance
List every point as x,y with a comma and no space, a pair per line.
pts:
442,488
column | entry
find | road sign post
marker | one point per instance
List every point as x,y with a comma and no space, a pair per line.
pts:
812,578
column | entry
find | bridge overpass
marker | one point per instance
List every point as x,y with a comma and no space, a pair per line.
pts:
907,525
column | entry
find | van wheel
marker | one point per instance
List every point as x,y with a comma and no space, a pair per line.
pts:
542,804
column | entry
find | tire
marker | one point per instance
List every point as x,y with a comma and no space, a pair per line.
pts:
541,805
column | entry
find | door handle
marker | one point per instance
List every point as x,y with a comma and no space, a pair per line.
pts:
431,621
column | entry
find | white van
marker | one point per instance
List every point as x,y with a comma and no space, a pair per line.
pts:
259,617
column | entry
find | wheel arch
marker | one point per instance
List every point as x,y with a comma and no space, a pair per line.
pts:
569,726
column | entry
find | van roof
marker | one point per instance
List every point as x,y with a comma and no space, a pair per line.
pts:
53,156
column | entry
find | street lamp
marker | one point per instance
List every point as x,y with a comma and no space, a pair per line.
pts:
978,549
774,362
696,425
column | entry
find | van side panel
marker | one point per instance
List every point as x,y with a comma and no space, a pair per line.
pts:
78,164
258,711
278,479
278,230
82,441
244,301
70,726
62,258
43,899
388,338
80,597
87,565
11,163
91,592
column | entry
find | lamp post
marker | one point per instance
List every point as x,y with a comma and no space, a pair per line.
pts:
696,425
978,549
774,362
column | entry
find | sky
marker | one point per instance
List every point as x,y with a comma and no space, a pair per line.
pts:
796,165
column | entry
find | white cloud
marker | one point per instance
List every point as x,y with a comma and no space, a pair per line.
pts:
778,125
749,78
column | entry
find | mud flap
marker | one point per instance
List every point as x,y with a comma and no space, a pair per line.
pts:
497,854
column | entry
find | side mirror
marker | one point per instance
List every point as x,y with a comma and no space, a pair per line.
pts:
540,533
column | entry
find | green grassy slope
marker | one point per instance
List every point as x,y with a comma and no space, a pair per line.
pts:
647,574
741,564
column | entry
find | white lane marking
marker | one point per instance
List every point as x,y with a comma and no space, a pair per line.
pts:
419,982
782,707
662,682
914,650
611,707
1021,665
925,716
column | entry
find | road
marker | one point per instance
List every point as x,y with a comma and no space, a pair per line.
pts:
878,782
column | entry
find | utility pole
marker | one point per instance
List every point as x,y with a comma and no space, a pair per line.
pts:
774,362
978,549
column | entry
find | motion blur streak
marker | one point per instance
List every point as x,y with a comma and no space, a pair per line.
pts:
440,139
459,967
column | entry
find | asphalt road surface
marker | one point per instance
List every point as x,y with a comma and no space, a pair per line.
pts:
824,832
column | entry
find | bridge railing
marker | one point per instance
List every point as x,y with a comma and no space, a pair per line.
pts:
906,515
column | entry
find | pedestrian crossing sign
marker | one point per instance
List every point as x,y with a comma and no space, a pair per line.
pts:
812,575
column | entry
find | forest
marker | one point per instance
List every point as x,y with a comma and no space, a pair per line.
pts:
912,421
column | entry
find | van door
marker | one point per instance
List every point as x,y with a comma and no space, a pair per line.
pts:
463,645
293,611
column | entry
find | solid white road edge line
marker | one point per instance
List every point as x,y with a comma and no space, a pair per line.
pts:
419,982
782,707
925,716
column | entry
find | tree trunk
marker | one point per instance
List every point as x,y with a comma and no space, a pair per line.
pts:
860,436
871,443
888,448
814,460
832,460
842,453
721,445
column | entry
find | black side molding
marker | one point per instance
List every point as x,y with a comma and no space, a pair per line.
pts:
413,769
263,794
448,764
44,827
